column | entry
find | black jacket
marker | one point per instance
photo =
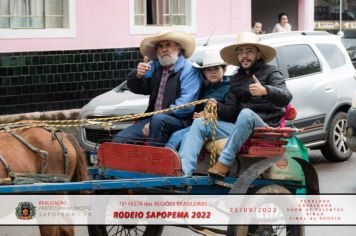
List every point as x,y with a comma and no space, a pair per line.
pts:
270,107
151,86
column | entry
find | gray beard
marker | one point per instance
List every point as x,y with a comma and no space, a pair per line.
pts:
168,60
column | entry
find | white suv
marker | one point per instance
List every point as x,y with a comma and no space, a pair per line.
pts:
318,72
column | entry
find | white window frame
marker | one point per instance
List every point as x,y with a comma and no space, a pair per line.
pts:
153,29
68,32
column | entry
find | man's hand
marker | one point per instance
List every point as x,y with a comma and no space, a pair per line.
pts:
146,130
142,68
197,115
257,89
212,102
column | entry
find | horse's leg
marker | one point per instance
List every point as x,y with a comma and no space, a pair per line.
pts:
57,230
66,230
49,230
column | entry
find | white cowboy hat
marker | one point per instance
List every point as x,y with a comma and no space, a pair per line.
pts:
229,54
186,41
210,58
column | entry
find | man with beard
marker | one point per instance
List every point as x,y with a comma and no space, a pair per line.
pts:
170,80
257,97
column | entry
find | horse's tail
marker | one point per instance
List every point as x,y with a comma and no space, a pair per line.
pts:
81,169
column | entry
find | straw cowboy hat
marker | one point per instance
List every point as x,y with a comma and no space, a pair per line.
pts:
186,41
229,53
210,58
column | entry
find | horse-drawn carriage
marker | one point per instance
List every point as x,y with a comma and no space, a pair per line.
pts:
273,161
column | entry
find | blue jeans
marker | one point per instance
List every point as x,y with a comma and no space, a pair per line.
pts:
161,127
238,133
177,137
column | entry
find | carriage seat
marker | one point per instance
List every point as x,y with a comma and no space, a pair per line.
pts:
266,141
139,159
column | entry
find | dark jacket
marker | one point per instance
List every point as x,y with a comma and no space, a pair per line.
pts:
183,86
270,107
217,91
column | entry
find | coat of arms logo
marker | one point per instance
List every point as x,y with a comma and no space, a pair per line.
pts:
25,211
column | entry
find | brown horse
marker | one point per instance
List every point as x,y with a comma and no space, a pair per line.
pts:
20,158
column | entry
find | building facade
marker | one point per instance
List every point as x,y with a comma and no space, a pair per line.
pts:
57,55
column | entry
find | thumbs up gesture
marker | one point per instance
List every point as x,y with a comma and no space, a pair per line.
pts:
142,68
256,88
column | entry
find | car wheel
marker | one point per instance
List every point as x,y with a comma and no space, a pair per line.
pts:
335,148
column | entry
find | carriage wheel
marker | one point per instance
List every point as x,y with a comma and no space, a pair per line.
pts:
129,230
267,230
123,230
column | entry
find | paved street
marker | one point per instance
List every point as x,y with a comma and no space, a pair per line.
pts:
333,178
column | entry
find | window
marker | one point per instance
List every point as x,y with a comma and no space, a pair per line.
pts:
152,16
274,62
36,18
297,60
31,14
332,55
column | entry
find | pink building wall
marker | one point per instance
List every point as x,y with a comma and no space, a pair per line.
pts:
99,24
306,15
105,24
229,17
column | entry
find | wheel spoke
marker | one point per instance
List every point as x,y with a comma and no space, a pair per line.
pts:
344,148
337,134
339,128
110,228
339,139
278,229
122,231
137,230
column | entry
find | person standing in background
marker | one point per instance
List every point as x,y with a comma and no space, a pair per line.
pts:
282,25
257,27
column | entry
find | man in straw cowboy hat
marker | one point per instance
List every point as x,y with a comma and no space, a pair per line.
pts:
170,80
257,97
216,86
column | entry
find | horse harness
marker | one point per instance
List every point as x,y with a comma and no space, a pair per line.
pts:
43,154
9,171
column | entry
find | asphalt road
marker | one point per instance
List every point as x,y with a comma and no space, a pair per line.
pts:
333,178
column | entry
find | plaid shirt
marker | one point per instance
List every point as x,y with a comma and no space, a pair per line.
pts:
165,74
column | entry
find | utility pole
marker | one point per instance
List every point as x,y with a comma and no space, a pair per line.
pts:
340,33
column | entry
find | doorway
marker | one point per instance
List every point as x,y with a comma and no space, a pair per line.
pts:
267,12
